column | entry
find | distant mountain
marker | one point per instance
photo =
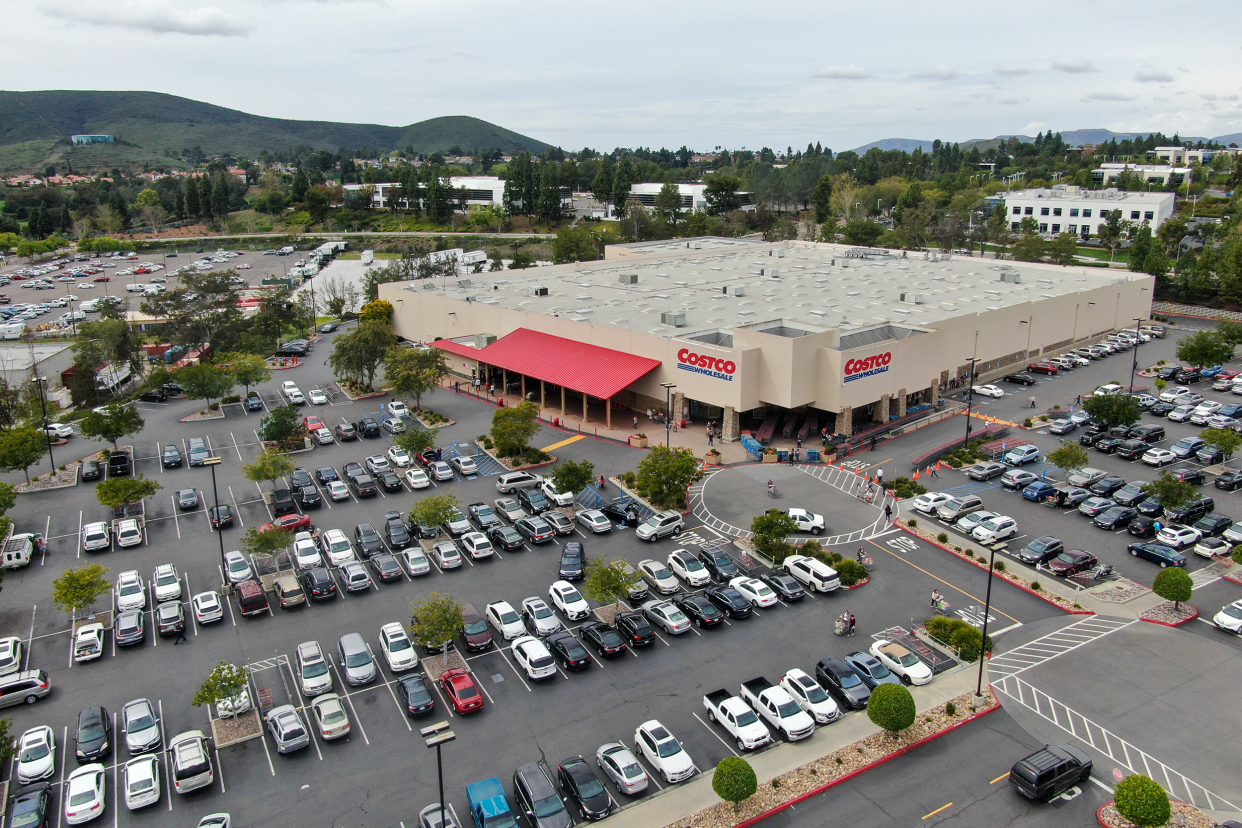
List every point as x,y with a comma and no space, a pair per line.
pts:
166,124
1073,137
903,144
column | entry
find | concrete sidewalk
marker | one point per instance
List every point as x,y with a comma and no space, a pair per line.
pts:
683,800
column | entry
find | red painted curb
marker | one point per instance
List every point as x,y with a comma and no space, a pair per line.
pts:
1186,620
1235,577
1099,813
863,582
1000,575
760,817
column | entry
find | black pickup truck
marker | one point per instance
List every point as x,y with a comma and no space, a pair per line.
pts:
119,463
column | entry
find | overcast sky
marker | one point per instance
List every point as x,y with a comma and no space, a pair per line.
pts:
659,73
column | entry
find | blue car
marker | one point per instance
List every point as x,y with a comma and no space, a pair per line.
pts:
1212,371
1039,490
1157,553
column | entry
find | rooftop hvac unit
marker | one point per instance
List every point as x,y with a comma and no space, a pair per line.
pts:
774,273
463,283
1011,276
677,320
628,278
483,340
696,245
734,290
780,254
538,290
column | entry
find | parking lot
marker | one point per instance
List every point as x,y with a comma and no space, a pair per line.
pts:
381,774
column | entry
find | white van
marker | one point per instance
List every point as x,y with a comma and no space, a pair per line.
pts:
135,288
13,330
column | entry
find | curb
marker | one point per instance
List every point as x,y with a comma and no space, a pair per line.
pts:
1186,620
1000,575
1234,577
1099,813
194,418
817,791
863,582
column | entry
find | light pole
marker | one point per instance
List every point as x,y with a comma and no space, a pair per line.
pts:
215,499
668,412
970,398
436,735
43,404
983,643
1138,340
1026,355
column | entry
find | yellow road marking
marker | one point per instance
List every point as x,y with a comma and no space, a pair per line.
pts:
938,810
573,439
1004,775
941,580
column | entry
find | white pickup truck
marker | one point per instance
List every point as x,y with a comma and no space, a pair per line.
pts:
778,709
735,716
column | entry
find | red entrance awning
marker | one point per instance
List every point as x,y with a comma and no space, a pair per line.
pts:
578,366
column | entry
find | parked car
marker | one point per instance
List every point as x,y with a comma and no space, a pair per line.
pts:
1158,553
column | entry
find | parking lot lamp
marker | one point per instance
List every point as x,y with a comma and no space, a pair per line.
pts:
215,500
970,398
39,381
436,735
1137,342
983,642
668,411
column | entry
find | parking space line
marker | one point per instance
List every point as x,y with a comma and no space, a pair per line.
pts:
176,522
64,758
29,638
236,448
236,510
116,781
284,662
714,733
512,667
164,752
350,702
405,717
79,543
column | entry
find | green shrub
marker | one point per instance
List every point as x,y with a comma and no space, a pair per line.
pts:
912,523
734,781
1236,553
905,488
1043,418
778,551
891,708
233,398
1035,585
957,634
1142,801
532,455
950,709
999,566
943,537
1027,422
850,572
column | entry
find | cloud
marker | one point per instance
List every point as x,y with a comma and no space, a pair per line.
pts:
157,16
850,72
1109,96
1074,66
1012,101
1012,70
1152,76
941,72
1208,97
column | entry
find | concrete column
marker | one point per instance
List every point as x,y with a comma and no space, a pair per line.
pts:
933,394
543,395
730,426
608,412
679,402
845,421
523,388
504,382
562,401
881,409
585,417
901,402
944,379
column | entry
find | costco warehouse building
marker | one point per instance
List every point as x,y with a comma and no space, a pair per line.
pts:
824,335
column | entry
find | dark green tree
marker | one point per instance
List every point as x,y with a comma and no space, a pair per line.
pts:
117,420
192,208
769,531
357,355
570,476
1204,348
220,198
297,190
1069,457
1173,584
601,185
668,203
574,244
734,781
282,424
1111,410
549,201
821,197
21,448
1171,492
513,427
891,708
205,382
204,195
862,233
317,202
664,474
721,194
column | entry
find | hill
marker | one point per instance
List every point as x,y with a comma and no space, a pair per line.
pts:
1073,137
903,144
164,125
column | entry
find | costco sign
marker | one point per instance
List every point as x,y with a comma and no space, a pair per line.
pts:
706,364
872,365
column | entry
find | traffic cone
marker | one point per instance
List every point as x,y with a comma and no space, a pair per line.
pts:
916,475
939,467
855,472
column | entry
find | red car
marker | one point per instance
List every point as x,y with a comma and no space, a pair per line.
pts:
1043,368
312,424
102,279
461,690
1228,373
290,523
1071,562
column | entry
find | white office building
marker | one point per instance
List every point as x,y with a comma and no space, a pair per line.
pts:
1183,155
1069,209
693,196
485,190
1148,173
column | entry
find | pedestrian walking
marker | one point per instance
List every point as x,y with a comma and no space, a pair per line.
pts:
709,437
636,423
873,442
648,413
457,387
931,472
879,476
853,623
858,492
888,513
799,441
180,636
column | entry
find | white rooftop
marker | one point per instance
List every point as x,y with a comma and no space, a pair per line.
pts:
1072,193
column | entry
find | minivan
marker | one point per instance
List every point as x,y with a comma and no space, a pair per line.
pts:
198,451
23,688
1050,772
959,506
517,480
355,659
251,598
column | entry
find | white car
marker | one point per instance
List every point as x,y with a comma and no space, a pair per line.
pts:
807,521
236,568
595,520
666,616
399,457
96,536
1229,618
11,650
663,752
502,616
330,717
931,501
1178,536
441,470
1181,414
324,436
569,601
207,607
477,545
995,529
755,591
417,479
397,409
84,794
128,533
313,673
538,617
622,767
988,391
59,430
415,561
396,647
317,397
656,574
687,566
1210,547
36,755
337,547
337,490
88,643
131,592
534,657
556,495
305,552
903,663
812,698
167,583
1159,457
141,782
446,555
464,465
377,463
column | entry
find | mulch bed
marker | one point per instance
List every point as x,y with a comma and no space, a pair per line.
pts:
1184,816
202,415
62,479
1170,614
434,665
1118,591
225,732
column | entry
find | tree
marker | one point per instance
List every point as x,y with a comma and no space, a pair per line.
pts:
205,382
664,474
220,199
118,491
224,682
192,207
282,424
435,621
21,448
1110,232
1225,439
1142,801
891,708
412,372
357,355
77,589
147,198
265,543
1069,457
573,477
548,202
379,310
1110,410
435,510
1230,331
734,781
609,581
1170,491
317,202
1173,584
117,420
247,369
821,197
574,244
863,233
770,530
8,743
416,440
1204,348
512,428
721,194
668,203
297,190
270,465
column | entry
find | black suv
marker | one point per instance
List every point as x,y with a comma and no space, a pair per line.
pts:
538,797
395,529
1191,512
362,485
368,540
573,561
1132,449
842,683
368,428
282,503
308,497
533,501
1147,432
634,627
718,563
1050,772
318,583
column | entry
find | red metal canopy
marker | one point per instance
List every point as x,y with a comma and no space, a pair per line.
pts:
588,369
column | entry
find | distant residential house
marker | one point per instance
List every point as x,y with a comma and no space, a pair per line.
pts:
238,173
81,140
